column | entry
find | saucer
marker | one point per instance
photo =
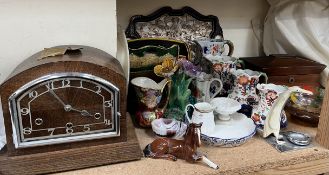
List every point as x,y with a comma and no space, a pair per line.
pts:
231,133
164,127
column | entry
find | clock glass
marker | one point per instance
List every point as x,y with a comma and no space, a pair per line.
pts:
64,107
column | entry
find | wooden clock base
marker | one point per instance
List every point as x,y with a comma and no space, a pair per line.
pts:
73,158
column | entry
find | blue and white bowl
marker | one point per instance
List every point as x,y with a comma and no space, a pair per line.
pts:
230,133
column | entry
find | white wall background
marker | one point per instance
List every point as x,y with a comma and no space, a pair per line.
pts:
28,26
234,16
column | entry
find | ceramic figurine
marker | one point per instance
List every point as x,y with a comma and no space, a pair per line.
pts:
149,94
245,84
171,149
268,94
272,122
203,113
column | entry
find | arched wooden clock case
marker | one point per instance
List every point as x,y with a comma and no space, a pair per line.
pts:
65,108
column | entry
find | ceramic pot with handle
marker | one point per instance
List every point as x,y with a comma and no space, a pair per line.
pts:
207,89
203,113
245,83
149,95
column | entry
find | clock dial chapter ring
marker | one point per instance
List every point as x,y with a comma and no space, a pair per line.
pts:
42,120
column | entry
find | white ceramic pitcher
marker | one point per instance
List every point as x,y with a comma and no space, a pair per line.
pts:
203,113
207,89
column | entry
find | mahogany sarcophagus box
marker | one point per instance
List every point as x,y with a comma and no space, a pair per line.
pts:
287,70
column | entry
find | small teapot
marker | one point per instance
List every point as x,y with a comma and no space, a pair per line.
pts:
149,95
203,113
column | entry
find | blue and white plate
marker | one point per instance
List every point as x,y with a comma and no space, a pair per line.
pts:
238,130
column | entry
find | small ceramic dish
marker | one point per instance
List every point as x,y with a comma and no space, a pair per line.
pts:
231,133
225,107
164,127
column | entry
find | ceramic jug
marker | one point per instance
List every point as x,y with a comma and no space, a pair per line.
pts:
223,67
268,94
207,89
215,47
244,90
203,113
149,96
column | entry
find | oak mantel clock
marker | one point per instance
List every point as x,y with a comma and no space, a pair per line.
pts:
67,105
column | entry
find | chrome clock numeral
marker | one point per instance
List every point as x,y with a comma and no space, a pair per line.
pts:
99,89
51,130
38,121
66,83
86,128
107,122
108,104
25,111
50,85
69,128
33,94
81,84
27,131
97,115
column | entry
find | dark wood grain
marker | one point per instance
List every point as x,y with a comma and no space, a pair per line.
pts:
75,158
277,65
91,61
287,70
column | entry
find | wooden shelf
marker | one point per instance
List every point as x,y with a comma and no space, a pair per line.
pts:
254,156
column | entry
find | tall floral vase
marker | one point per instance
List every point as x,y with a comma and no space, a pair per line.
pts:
268,94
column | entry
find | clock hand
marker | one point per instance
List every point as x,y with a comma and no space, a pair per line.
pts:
82,112
56,96
68,107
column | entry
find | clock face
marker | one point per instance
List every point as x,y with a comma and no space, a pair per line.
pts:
62,108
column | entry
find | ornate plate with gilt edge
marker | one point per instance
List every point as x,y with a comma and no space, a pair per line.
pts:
185,24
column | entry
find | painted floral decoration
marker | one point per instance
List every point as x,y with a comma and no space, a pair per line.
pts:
167,68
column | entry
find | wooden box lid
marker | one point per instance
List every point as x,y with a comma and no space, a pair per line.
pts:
275,65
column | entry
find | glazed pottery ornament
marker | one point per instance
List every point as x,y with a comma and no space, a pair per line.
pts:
171,149
245,83
165,127
203,113
207,88
215,47
225,107
268,94
149,95
223,67
272,122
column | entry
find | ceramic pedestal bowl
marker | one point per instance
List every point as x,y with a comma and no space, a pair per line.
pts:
164,127
225,107
230,134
